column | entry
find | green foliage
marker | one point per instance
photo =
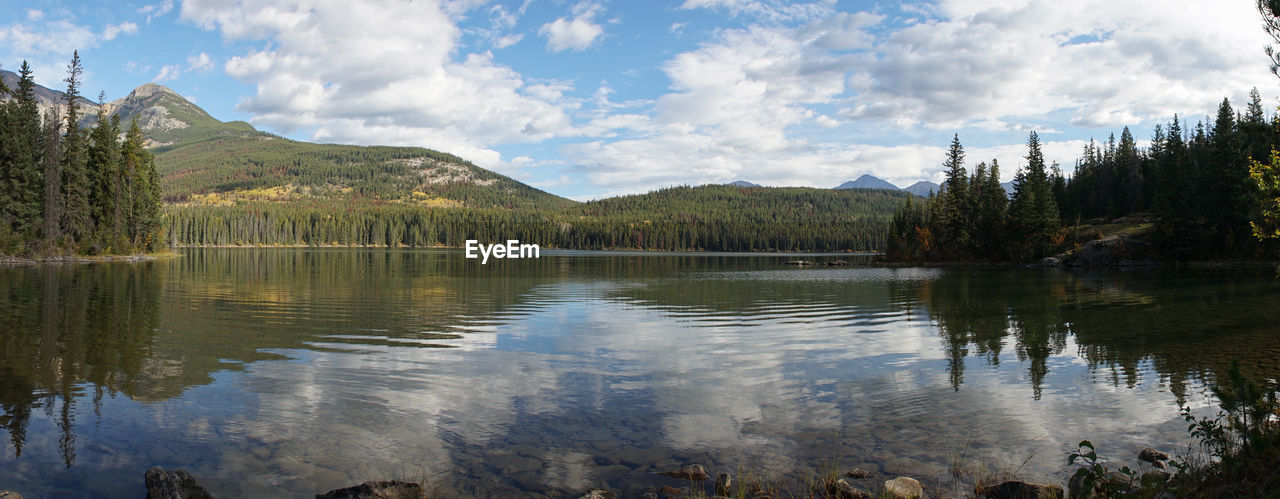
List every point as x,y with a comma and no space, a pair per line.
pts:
1094,478
715,218
74,190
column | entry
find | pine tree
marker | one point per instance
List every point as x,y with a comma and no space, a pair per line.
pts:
1033,211
143,191
954,202
20,168
77,214
51,229
104,173
1129,166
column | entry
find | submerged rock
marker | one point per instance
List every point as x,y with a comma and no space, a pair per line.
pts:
693,472
599,494
845,490
1155,477
904,488
858,473
176,484
724,484
9,494
1017,489
387,489
1152,456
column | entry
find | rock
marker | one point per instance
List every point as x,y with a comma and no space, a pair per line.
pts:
693,472
387,489
9,494
845,490
1017,489
1155,477
858,473
1161,465
672,491
1109,250
1048,261
176,484
904,488
838,263
724,484
1151,455
599,494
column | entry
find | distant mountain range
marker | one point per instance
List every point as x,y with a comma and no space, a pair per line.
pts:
923,188
744,183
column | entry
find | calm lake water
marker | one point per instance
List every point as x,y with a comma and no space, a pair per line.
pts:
292,372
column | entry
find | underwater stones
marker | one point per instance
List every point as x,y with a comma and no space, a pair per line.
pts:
845,490
1017,489
387,489
904,488
599,494
724,484
1155,477
1153,456
176,484
858,473
695,472
9,494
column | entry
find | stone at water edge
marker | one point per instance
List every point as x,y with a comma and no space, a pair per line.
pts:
1152,456
599,494
695,472
904,488
724,484
846,490
1155,477
9,494
1017,489
858,473
387,489
176,484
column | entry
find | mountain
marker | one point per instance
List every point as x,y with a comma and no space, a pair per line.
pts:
923,188
743,183
867,182
1008,187
204,161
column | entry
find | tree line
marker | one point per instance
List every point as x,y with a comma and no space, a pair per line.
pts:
64,188
1195,185
712,218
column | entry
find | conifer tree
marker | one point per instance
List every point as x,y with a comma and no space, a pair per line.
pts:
20,150
77,219
104,173
954,202
1033,211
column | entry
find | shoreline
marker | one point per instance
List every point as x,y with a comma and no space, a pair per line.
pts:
10,260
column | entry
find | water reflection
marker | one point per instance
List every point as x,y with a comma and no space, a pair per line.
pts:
296,371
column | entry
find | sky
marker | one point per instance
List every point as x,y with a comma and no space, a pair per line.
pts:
593,98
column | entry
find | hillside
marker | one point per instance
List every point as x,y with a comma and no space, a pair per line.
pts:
709,217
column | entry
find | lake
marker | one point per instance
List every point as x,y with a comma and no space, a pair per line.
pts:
295,371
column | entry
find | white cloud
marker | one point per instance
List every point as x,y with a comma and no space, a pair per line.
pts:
769,10
59,37
1105,62
576,34
34,15
405,83
156,10
114,30
199,62
171,72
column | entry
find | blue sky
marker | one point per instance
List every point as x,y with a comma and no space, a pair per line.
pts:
590,98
